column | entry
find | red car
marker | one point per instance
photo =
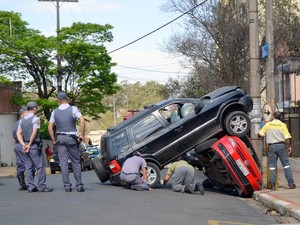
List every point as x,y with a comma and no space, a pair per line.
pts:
230,165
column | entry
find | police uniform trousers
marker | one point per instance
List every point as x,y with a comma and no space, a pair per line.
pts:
182,176
276,151
34,160
20,158
68,148
134,179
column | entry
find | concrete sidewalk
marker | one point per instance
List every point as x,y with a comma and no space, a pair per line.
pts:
283,200
11,172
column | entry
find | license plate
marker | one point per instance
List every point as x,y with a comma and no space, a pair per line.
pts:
242,167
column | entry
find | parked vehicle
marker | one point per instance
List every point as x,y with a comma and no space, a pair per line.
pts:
93,151
230,165
85,162
55,165
168,129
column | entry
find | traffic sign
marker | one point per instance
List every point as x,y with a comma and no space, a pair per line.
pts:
267,112
264,51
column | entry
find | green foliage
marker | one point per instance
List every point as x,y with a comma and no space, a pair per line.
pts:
85,65
130,96
4,80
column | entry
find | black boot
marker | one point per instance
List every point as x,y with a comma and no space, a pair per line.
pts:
21,179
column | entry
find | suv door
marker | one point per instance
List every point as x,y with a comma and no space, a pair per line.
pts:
153,137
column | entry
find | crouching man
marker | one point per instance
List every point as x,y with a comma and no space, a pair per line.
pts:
130,174
183,178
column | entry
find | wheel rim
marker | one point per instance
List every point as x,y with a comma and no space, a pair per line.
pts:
152,175
238,124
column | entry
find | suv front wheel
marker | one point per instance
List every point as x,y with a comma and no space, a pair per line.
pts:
153,173
237,124
99,169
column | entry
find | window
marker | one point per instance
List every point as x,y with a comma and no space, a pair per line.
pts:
171,113
146,127
120,143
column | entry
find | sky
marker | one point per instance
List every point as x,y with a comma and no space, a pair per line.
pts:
141,61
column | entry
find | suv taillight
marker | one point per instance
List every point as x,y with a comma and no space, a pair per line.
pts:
114,166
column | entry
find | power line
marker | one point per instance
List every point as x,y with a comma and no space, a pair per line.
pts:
147,70
158,28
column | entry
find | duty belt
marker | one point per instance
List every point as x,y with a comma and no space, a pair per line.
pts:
130,173
69,135
282,142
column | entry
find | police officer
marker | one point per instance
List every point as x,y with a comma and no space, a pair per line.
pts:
130,174
64,117
20,159
29,137
279,140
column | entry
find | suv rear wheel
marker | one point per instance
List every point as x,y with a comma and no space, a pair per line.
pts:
99,169
153,173
237,124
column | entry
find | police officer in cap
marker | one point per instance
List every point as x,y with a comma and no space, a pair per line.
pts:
29,137
64,117
20,159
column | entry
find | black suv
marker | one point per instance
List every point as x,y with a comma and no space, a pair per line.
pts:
170,128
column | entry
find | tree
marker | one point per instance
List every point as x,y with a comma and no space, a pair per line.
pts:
286,24
215,43
130,96
215,40
86,67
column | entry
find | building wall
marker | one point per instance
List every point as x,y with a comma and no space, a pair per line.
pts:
295,87
7,91
7,154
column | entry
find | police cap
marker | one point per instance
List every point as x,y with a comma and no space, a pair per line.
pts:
31,105
22,109
62,95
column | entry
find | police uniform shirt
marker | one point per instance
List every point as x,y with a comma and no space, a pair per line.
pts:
35,121
75,112
275,131
132,165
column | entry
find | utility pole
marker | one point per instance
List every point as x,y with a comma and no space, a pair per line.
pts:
59,72
270,86
255,114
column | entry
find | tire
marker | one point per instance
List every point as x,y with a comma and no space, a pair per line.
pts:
52,171
82,166
204,145
153,173
90,167
99,169
237,124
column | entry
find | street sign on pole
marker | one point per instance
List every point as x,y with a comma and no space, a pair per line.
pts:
267,112
265,51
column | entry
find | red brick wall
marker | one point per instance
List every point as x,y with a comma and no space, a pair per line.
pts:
6,94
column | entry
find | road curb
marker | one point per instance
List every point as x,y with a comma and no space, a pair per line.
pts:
281,206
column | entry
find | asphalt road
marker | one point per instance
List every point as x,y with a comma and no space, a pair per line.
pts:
105,204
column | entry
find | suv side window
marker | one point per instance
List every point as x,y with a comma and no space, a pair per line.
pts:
120,143
171,113
146,127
